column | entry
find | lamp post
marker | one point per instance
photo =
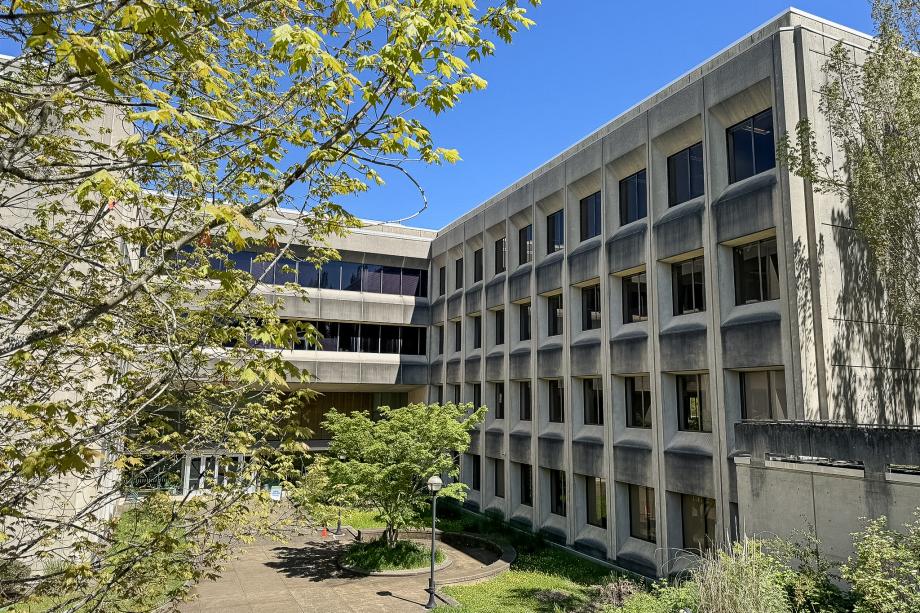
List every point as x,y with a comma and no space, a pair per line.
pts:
338,529
434,486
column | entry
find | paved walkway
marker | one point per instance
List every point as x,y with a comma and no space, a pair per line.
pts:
301,575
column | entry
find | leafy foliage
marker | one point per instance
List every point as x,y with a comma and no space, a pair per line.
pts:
744,579
380,555
387,461
885,568
143,144
872,112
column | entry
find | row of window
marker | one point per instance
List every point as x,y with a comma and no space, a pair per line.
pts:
751,151
698,514
756,280
763,397
349,276
367,338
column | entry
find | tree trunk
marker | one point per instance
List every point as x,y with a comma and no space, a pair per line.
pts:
390,536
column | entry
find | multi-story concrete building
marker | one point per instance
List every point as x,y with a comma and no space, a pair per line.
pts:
676,338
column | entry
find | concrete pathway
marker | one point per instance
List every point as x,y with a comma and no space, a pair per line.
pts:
301,575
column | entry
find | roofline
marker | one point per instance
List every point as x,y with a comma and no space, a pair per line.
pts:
549,163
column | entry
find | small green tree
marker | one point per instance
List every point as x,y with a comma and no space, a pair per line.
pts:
388,461
884,569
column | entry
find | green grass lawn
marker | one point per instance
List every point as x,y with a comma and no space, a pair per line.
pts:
544,580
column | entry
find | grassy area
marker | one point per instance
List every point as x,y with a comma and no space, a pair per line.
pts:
546,579
376,555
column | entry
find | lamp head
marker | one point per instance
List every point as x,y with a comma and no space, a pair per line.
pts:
435,484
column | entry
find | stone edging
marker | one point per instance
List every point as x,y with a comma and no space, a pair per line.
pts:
503,563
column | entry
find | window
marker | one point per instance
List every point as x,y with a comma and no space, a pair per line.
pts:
371,278
756,272
499,401
458,335
594,402
590,210
499,316
633,203
415,282
458,273
500,255
477,332
498,471
367,338
370,338
329,335
350,337
475,468
351,277
524,320
526,400
698,517
596,501
439,330
525,244
455,392
556,402
554,315
477,395
750,146
763,395
642,513
638,402
442,280
477,265
635,298
555,232
413,341
685,174
307,274
557,492
692,397
331,276
389,339
688,286
526,484
440,395
591,307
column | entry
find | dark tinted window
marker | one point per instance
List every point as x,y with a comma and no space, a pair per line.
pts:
500,255
389,339
685,174
557,492
477,265
693,403
763,395
688,286
499,327
370,338
477,332
698,517
555,232
351,277
371,278
498,468
596,501
751,149
442,280
642,513
525,245
526,400
499,401
590,212
556,401
554,315
591,307
349,337
475,470
635,298
458,335
439,330
458,273
241,260
307,274
756,272
524,321
638,402
391,281
526,484
633,203
594,402
329,331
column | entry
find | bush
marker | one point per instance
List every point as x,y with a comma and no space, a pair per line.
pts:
379,555
885,568
808,579
744,579
664,598
615,593
13,577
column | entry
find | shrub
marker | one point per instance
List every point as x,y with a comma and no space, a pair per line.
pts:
808,579
664,598
614,593
380,555
13,577
885,568
744,579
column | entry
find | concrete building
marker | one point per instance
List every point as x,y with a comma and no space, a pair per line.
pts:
674,335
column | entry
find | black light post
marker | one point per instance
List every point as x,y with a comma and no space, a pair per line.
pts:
434,486
338,529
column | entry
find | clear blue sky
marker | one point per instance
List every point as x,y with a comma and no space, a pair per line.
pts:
583,63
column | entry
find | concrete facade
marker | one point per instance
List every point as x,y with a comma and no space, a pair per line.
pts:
560,451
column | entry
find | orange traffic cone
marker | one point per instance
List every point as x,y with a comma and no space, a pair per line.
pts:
325,534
